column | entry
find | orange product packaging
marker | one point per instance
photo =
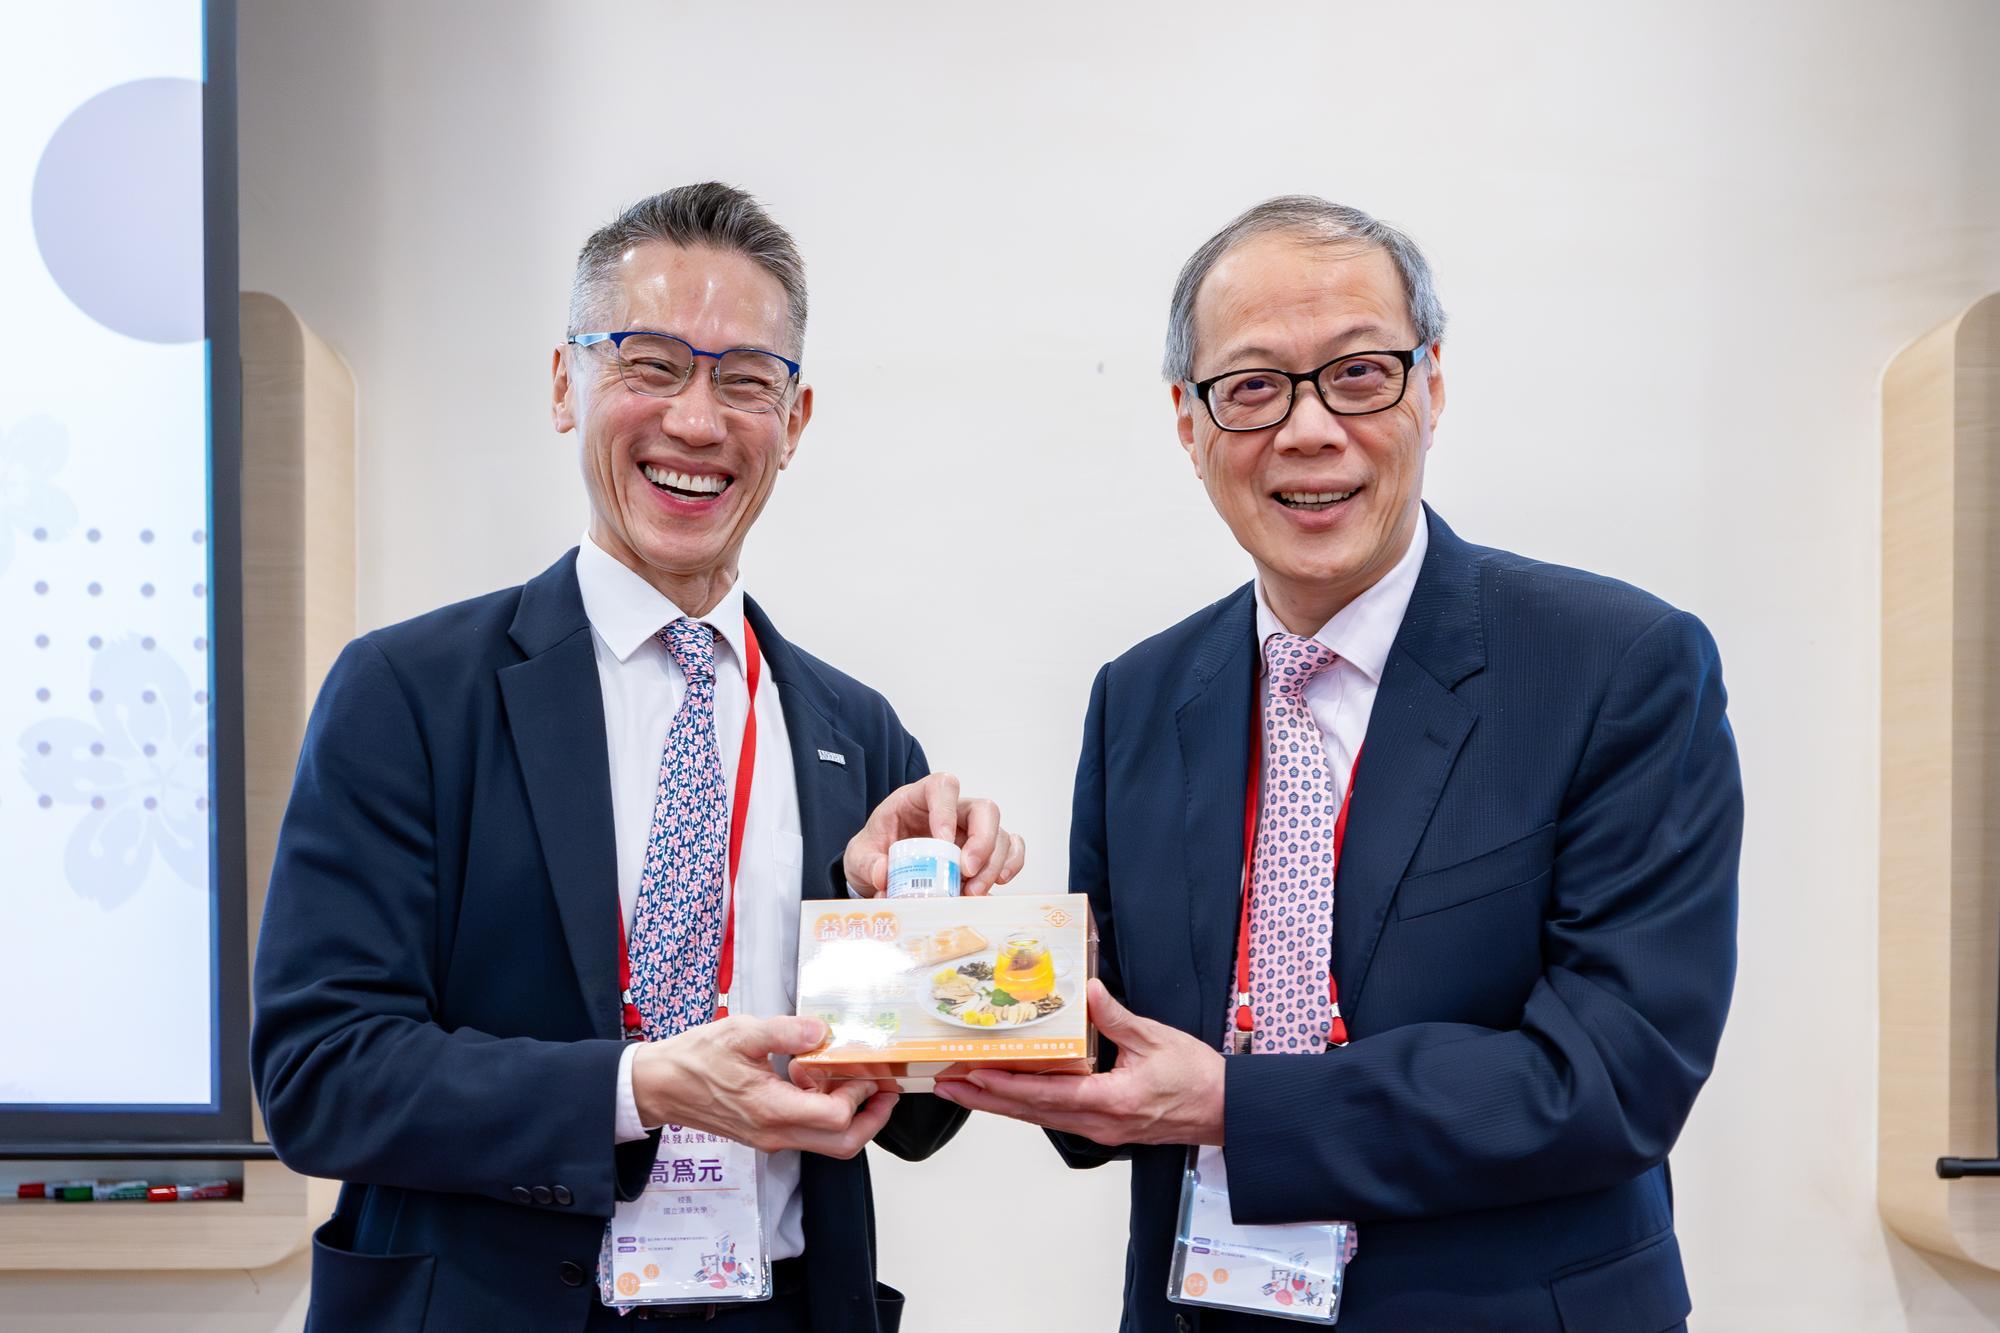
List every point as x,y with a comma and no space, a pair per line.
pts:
921,989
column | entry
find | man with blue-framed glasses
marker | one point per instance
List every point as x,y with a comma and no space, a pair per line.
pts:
527,962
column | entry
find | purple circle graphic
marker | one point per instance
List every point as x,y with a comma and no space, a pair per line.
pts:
118,212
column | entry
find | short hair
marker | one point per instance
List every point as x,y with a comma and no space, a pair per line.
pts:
711,215
1316,222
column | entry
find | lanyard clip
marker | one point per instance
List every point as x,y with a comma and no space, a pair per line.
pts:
1245,1026
722,1005
635,1023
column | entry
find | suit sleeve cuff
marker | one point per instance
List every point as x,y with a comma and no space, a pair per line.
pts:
1265,1099
837,875
628,1127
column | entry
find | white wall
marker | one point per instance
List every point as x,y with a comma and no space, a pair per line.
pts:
1678,243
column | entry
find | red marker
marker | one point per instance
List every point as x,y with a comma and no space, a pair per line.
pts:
209,1189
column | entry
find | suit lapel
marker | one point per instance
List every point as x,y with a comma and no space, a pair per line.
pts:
1414,735
832,799
555,714
1212,718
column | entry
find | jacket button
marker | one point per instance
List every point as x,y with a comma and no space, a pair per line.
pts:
571,1275
563,1195
542,1194
521,1194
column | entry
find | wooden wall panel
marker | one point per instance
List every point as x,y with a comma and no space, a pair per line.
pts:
1940,868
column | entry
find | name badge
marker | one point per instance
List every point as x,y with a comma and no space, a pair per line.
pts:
1291,1271
696,1234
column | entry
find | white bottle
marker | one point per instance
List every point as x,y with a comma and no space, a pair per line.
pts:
923,868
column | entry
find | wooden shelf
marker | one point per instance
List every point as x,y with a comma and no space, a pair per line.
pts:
1940,880
298,612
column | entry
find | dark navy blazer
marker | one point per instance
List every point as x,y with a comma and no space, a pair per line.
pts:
437,979
1534,938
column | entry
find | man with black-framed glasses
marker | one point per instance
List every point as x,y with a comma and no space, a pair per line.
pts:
1414,861
536,898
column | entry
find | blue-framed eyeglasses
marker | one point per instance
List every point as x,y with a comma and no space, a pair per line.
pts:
660,365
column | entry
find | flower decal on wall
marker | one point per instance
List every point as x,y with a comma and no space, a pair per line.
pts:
30,456
137,773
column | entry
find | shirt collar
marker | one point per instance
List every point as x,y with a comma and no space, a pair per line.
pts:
1362,632
626,611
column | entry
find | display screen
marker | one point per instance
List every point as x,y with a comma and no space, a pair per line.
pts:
122,992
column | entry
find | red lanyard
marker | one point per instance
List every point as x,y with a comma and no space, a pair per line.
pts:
746,769
1246,1021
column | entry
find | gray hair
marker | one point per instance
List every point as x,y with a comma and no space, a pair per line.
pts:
1316,222
711,215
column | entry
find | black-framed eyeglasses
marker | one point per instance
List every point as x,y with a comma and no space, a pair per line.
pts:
1355,385
660,365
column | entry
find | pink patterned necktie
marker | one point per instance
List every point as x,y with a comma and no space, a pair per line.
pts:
1291,905
677,924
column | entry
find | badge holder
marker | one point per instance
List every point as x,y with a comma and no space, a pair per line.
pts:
1291,1271
695,1236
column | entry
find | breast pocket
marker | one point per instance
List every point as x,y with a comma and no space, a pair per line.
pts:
788,848
1508,866
787,852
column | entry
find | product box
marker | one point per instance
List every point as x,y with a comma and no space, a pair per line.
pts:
922,989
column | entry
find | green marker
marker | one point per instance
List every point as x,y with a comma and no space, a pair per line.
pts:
47,1189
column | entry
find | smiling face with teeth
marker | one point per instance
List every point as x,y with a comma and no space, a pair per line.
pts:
1325,505
676,483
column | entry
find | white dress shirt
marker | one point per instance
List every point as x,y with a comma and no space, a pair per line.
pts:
1360,634
643,686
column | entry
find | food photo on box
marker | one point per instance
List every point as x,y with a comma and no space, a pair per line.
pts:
915,990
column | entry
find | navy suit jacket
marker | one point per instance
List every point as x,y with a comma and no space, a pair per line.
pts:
437,978
1534,938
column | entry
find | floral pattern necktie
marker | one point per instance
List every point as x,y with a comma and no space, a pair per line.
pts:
677,923
1291,908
